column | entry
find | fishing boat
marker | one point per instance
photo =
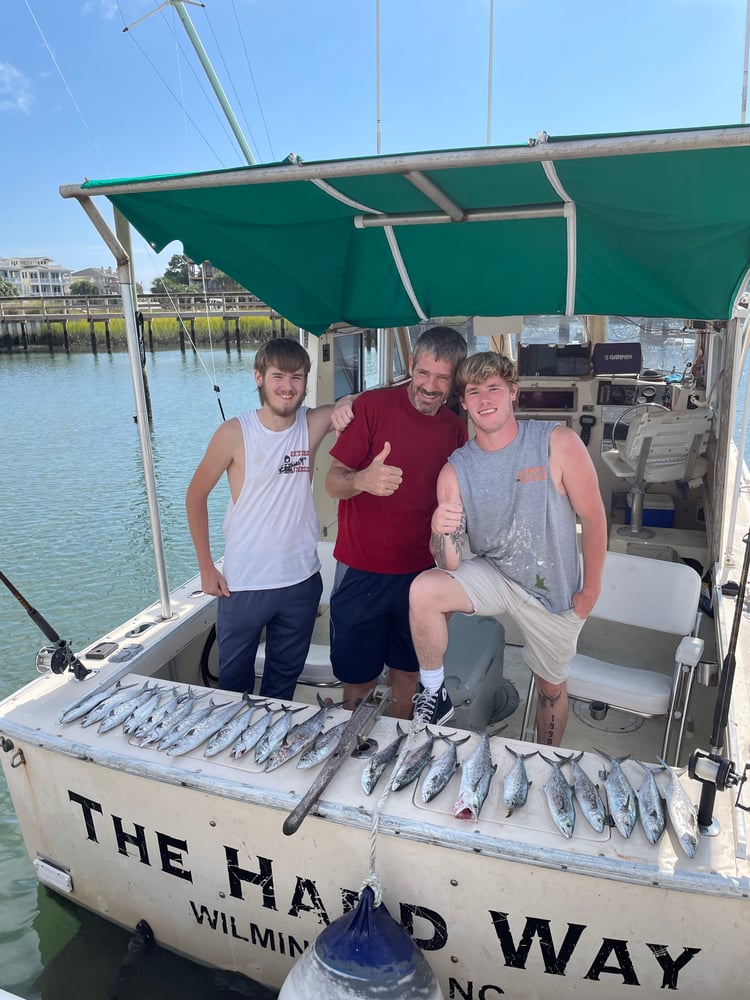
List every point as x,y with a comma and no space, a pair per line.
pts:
241,868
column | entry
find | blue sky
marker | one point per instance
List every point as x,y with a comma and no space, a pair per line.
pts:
80,98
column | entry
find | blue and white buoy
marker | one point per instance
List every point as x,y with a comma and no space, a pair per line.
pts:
362,955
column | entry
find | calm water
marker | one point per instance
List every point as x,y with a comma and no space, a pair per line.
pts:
75,543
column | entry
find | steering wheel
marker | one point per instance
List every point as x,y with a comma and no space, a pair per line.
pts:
629,409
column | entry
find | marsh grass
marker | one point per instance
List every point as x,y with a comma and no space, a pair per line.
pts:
165,333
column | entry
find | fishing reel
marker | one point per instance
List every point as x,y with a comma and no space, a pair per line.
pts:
58,659
716,774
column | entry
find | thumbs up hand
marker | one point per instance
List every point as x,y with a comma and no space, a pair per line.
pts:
379,479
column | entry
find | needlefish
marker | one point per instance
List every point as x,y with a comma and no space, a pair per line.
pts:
379,762
650,805
323,746
586,793
442,770
621,798
231,730
299,737
476,775
203,729
559,796
89,702
682,812
516,783
276,733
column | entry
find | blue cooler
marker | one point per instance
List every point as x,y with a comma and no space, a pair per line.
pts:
658,510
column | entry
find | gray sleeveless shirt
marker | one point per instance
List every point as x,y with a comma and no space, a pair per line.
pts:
515,516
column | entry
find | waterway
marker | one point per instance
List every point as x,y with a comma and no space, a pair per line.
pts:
75,543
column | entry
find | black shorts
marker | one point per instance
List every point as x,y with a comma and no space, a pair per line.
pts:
370,624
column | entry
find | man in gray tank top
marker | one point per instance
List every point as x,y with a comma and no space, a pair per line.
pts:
514,492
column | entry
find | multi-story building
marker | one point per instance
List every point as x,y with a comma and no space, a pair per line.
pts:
35,275
104,278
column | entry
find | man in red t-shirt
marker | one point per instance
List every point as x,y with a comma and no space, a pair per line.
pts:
384,472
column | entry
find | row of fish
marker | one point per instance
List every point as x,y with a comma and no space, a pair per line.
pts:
179,722
626,804
476,770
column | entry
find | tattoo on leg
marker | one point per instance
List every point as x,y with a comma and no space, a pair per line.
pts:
551,732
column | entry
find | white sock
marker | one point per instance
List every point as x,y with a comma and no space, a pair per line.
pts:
431,679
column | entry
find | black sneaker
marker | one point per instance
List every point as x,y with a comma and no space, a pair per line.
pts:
431,708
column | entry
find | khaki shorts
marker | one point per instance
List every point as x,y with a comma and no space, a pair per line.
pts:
549,639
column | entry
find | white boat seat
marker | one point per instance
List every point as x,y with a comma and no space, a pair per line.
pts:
649,594
662,446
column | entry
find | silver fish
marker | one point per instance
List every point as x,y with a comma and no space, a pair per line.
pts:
232,729
323,747
559,795
516,784
299,737
249,736
620,795
650,805
682,813
380,761
275,734
169,722
137,718
120,713
198,714
476,775
586,793
205,728
414,763
442,770
162,712
90,701
105,707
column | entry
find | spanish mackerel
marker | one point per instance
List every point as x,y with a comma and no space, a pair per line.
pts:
189,722
325,744
380,761
586,793
476,775
160,713
442,770
620,795
516,784
105,707
173,719
89,702
232,729
414,763
143,712
251,734
122,712
650,805
275,735
559,795
204,728
299,737
682,812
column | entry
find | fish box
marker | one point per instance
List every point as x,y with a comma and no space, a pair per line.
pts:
658,510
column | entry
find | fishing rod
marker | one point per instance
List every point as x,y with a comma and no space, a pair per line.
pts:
57,658
716,772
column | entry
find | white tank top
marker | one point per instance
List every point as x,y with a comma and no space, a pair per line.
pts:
271,532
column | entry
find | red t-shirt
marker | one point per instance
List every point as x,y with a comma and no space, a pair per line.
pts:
392,534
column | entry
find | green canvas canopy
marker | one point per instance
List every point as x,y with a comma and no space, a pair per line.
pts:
651,224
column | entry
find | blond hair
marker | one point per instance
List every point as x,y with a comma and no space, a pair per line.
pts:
479,367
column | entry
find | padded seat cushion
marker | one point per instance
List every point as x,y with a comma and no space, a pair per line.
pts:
644,692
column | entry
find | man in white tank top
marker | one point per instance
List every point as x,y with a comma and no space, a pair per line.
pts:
270,575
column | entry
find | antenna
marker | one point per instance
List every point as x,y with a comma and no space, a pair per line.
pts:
743,108
489,72
377,73
206,64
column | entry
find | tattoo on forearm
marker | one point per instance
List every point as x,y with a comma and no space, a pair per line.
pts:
458,536
437,547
